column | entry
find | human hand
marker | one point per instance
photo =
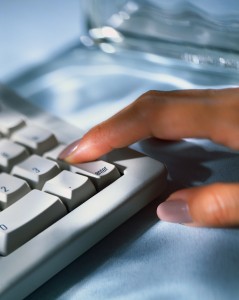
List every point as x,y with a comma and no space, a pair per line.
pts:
212,114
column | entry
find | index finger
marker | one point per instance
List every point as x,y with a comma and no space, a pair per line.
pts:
166,115
122,129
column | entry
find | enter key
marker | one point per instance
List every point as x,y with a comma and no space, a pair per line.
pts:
100,172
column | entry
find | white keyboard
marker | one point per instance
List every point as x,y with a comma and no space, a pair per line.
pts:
51,212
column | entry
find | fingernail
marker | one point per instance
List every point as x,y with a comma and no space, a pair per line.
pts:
69,150
175,211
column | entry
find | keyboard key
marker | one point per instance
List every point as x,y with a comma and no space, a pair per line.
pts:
11,189
37,140
36,170
53,155
27,217
10,122
100,172
11,154
73,189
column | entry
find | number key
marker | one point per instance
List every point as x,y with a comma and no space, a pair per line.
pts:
36,170
10,122
11,154
37,140
11,189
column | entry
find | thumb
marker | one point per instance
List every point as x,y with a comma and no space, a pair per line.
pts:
215,205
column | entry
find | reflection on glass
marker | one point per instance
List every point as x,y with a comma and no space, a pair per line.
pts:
200,32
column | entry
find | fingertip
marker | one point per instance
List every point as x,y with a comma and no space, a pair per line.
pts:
69,150
174,211
184,207
88,148
76,152
214,205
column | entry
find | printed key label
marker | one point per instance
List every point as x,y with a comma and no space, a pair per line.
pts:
3,227
101,171
36,170
34,138
5,154
4,189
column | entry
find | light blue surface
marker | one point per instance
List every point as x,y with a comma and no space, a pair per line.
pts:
144,258
33,30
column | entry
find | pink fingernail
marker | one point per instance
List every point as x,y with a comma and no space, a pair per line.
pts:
175,211
69,150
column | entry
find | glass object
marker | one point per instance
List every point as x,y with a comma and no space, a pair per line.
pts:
200,32
131,47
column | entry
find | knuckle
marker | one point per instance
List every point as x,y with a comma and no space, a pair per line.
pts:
217,210
149,104
146,99
155,109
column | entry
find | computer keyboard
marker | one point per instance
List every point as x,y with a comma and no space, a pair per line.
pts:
52,212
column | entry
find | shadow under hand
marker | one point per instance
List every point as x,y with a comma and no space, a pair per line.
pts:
192,164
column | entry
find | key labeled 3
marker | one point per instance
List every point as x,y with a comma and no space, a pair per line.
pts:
36,170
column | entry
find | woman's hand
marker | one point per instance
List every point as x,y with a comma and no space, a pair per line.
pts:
212,114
